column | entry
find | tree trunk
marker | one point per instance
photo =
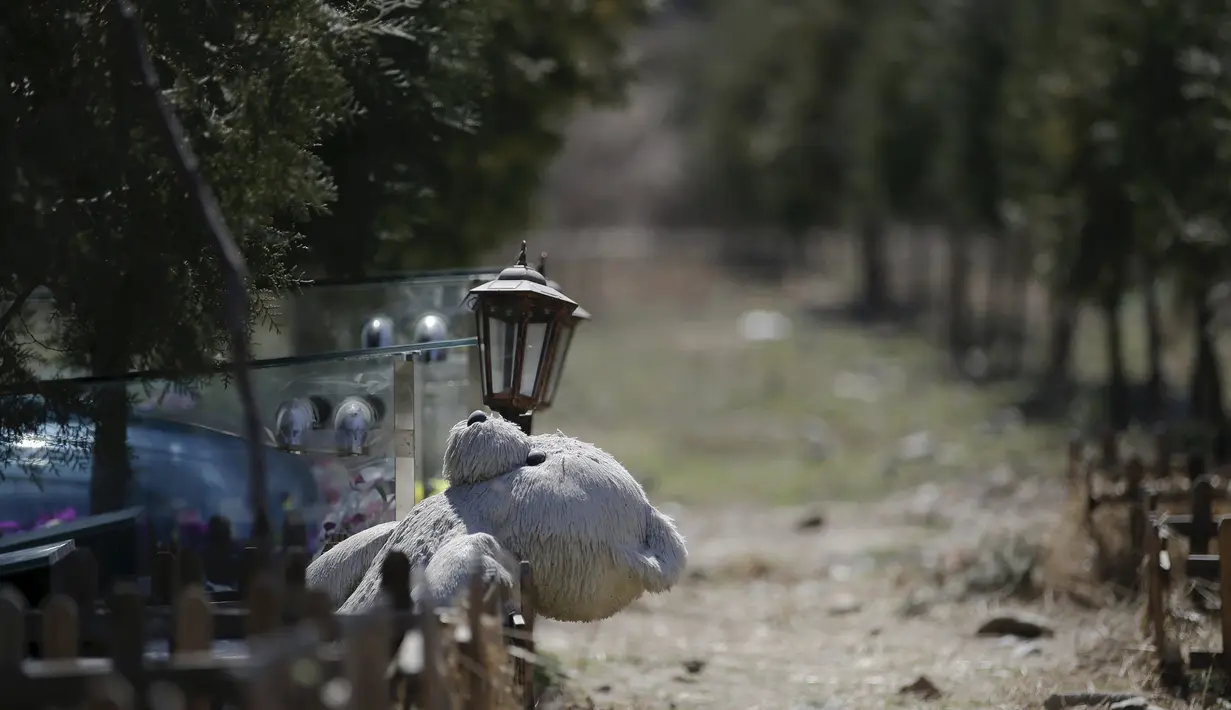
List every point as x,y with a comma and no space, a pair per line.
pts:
111,471
997,318
1156,393
874,265
111,467
1205,393
1017,309
958,302
919,265
985,335
1119,403
797,244
935,292
1056,373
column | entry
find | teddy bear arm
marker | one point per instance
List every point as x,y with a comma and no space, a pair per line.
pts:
339,570
662,556
448,573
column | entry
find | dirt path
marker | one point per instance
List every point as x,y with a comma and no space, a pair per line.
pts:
775,617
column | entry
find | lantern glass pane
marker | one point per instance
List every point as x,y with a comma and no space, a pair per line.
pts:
535,346
483,355
557,367
502,339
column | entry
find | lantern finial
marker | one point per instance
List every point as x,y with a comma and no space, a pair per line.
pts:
542,268
521,258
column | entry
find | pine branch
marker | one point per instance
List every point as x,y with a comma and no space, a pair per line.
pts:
15,307
234,270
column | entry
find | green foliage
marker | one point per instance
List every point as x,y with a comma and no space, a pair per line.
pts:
91,207
768,117
894,123
94,215
340,138
1101,128
461,110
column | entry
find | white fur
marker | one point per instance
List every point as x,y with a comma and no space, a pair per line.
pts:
339,570
582,521
448,574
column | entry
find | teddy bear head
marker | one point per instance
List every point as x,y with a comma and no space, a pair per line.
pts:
483,447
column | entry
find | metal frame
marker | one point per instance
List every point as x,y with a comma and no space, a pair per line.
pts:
516,400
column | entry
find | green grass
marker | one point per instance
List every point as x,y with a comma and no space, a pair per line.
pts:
702,417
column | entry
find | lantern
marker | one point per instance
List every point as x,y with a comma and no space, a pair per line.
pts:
519,320
567,326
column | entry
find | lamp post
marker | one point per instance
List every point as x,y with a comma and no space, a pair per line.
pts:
567,327
519,319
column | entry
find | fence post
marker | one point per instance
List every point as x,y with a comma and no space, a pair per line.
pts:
60,628
1111,451
525,667
1154,585
1075,456
431,682
1203,517
367,659
1224,591
1162,453
162,578
1134,475
479,674
318,608
193,631
12,627
249,568
295,571
264,607
127,641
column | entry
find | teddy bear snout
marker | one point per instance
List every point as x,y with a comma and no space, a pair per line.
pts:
476,417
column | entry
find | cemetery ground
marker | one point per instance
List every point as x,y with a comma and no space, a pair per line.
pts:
854,515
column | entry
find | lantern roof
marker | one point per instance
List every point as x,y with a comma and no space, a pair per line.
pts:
521,278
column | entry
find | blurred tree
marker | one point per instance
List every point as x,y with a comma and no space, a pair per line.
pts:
969,86
894,131
1089,138
461,104
766,114
91,207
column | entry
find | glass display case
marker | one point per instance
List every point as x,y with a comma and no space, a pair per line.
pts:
330,424
332,316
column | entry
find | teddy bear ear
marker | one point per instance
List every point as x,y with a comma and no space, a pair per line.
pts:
377,404
321,408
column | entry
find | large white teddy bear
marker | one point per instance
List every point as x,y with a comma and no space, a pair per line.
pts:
582,521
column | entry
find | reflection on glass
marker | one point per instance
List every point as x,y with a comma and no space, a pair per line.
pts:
502,338
187,462
557,366
535,334
333,318
449,397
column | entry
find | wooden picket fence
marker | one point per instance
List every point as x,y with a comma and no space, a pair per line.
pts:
289,648
1147,489
1158,571
1170,498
